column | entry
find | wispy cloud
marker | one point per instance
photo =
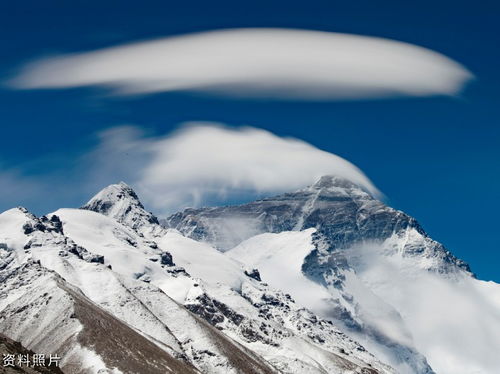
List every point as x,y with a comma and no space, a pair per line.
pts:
204,162
199,164
270,63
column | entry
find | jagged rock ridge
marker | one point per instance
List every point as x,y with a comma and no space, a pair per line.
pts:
354,235
342,213
287,284
122,203
127,274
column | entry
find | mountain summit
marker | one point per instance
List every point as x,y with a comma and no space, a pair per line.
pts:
352,234
120,202
332,181
341,212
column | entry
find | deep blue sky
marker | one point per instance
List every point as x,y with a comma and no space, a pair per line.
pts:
435,158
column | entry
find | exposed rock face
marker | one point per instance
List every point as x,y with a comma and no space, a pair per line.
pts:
121,202
166,259
342,213
344,216
59,319
11,347
254,273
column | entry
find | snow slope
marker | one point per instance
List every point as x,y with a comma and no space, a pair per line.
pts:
44,312
279,259
62,290
216,288
335,279
454,321
323,280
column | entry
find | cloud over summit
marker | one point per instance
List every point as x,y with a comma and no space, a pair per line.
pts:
200,164
268,63
207,162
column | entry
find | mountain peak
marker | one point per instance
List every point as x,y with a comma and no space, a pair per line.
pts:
331,184
119,201
328,181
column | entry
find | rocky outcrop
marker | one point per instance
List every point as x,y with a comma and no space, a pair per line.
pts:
120,202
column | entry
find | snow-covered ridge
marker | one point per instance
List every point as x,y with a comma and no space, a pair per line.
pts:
343,213
216,288
354,234
123,273
120,202
322,280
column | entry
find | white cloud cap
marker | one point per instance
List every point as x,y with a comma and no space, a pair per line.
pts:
204,162
269,63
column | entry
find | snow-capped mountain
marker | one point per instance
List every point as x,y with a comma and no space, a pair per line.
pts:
369,268
341,212
323,280
110,290
121,202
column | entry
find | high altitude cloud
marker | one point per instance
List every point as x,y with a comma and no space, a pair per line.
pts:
270,63
201,163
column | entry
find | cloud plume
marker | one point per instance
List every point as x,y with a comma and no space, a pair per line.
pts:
258,63
207,162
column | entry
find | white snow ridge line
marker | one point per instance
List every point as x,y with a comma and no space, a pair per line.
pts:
328,280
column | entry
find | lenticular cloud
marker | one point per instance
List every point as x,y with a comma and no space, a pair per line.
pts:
267,63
